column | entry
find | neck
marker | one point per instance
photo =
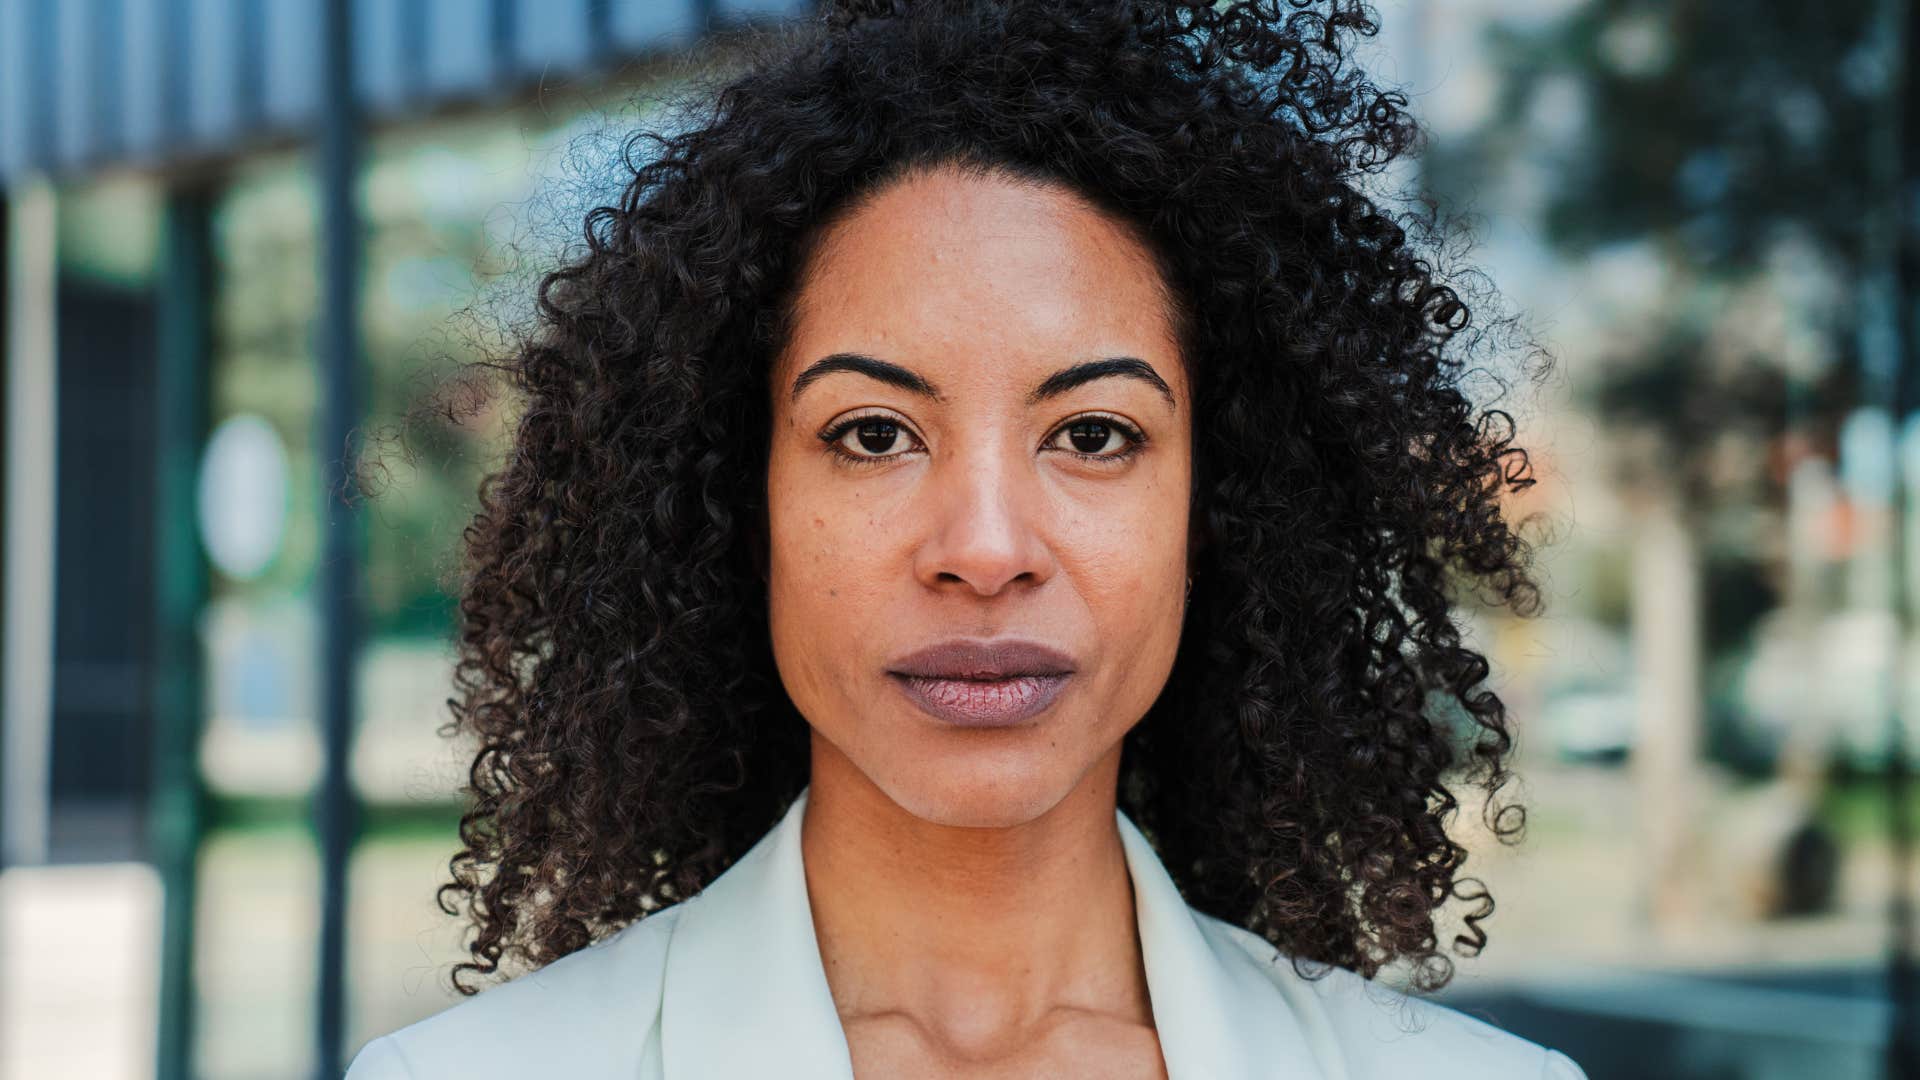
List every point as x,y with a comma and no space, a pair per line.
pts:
979,936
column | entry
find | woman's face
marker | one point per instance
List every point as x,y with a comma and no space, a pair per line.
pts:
981,435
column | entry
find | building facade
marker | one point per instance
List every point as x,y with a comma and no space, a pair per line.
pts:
241,237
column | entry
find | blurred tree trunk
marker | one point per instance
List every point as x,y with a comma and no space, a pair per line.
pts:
1666,633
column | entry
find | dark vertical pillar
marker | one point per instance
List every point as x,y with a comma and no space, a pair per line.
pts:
177,809
339,572
1903,1043
99,764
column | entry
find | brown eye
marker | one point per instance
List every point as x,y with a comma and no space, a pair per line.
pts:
1100,438
869,440
877,436
1089,436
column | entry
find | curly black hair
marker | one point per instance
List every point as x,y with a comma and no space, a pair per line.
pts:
634,737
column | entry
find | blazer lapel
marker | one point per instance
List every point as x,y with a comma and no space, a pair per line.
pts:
1218,1015
746,995
745,992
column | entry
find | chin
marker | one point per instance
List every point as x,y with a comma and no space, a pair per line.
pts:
980,787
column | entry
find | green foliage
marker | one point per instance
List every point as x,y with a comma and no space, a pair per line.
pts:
1714,121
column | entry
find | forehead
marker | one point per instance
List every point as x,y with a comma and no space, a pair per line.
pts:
942,267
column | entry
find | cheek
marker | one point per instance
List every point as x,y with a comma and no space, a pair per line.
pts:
822,561
1130,557
803,552
1129,546
814,523
1134,598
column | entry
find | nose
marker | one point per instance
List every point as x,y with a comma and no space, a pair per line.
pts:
985,511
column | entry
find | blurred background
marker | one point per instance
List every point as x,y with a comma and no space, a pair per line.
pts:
241,235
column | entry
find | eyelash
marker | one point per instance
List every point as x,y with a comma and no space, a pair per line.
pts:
1136,439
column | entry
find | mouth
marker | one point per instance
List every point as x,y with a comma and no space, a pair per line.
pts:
983,683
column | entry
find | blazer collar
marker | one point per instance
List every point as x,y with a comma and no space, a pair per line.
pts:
746,995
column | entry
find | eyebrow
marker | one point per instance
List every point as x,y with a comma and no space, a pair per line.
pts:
1125,367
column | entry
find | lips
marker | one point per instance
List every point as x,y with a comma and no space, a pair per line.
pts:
983,682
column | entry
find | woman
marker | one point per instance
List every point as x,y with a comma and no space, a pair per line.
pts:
968,596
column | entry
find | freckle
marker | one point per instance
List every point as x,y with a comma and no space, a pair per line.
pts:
833,592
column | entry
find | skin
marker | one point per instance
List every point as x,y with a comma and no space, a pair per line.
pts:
968,886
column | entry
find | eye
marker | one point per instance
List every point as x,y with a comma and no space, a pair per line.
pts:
1101,438
866,440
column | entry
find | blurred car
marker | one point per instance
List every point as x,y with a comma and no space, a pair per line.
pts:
1589,721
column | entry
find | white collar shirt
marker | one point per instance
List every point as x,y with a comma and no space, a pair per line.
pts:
729,985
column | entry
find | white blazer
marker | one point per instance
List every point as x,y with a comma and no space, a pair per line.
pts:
729,985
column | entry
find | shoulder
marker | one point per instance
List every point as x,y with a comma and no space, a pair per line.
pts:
586,1013
1379,1031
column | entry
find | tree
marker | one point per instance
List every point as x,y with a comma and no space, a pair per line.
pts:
1723,137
